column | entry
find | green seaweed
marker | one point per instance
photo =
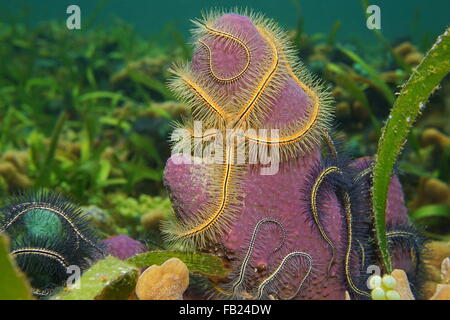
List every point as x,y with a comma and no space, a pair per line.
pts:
44,171
300,25
333,32
345,80
13,282
108,279
198,263
429,211
151,83
409,104
373,74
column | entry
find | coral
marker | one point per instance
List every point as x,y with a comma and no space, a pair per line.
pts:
403,287
101,219
413,59
343,109
134,216
123,247
443,288
445,270
152,219
175,109
393,77
13,169
442,292
432,136
436,260
431,191
404,48
165,282
303,230
409,53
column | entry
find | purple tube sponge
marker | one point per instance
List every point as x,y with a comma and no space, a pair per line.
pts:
291,222
123,247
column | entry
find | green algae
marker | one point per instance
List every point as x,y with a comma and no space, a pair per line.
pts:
409,104
108,279
197,263
13,282
373,74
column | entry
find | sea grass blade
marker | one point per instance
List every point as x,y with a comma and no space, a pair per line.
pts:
413,96
13,283
373,74
200,263
46,169
333,32
431,211
345,80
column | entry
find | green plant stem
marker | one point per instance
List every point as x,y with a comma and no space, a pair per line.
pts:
45,170
423,81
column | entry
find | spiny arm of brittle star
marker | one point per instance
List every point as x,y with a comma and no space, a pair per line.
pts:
215,216
330,144
363,254
301,132
208,101
315,211
42,252
222,291
348,214
251,246
400,234
362,174
233,38
280,267
41,293
263,84
202,137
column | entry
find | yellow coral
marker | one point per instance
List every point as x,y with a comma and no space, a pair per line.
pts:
443,289
437,266
13,169
405,48
165,282
151,219
432,136
431,191
403,287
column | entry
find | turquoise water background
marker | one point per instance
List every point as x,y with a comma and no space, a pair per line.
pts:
400,19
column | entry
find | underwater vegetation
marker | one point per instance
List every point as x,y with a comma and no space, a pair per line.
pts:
317,204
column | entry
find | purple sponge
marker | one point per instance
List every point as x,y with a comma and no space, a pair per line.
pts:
123,247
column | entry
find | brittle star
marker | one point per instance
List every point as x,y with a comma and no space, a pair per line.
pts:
205,225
